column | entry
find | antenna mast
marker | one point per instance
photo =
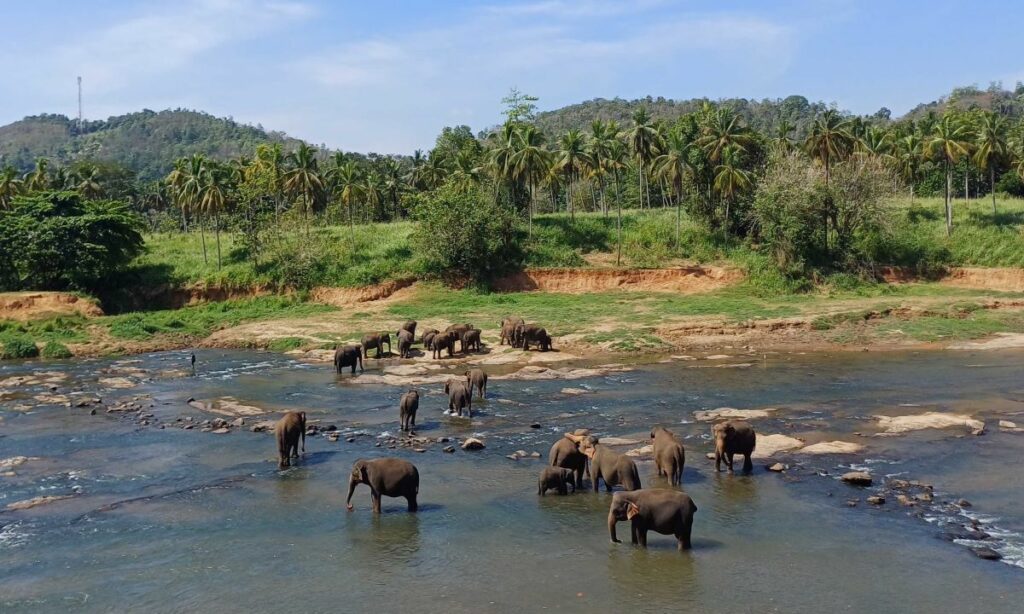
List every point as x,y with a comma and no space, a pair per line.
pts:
79,105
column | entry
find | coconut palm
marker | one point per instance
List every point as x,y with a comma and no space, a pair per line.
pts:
615,158
433,173
598,144
643,142
949,142
991,147
781,140
731,179
830,139
875,143
673,166
213,197
722,130
10,186
303,179
186,181
907,156
348,186
39,177
465,173
372,190
86,181
502,149
530,163
571,159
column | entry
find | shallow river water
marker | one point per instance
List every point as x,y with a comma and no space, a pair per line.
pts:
166,519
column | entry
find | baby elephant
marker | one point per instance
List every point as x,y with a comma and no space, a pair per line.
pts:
734,437
555,478
459,396
668,455
391,477
664,511
476,378
288,430
407,409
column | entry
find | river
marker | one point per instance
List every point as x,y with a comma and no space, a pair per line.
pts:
168,519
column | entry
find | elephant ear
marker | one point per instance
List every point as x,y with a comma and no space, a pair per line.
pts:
577,439
631,510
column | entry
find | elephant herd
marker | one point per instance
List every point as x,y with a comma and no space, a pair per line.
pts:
514,332
663,510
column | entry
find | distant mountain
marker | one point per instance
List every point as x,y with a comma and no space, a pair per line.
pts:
146,142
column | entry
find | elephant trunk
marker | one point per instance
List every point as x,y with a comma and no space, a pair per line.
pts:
352,483
611,527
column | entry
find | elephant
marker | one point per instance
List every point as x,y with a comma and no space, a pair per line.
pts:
459,396
427,336
375,340
614,468
471,340
459,330
411,327
566,453
669,456
440,342
664,511
508,330
391,477
734,437
288,431
555,478
531,333
405,339
476,378
407,409
348,356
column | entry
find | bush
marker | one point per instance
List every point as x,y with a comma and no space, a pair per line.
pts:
57,241
56,350
17,346
463,234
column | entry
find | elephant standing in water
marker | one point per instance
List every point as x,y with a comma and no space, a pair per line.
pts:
348,356
668,455
555,478
614,468
477,378
376,340
390,477
566,453
288,431
734,437
664,511
407,408
459,396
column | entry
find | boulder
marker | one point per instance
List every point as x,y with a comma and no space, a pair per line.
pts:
857,478
723,413
986,553
777,467
449,449
929,420
221,431
263,426
831,447
768,445
473,443
36,501
876,500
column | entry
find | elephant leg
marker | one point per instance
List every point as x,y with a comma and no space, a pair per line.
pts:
641,533
728,460
634,532
375,500
594,475
579,479
411,499
684,535
748,466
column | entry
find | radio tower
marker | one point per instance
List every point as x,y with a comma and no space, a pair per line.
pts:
79,105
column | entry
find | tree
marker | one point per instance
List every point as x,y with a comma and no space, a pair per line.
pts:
186,181
907,160
213,198
530,163
39,178
601,136
571,158
948,142
303,179
673,166
10,186
615,160
722,130
991,147
519,107
731,180
781,141
643,142
829,140
87,182
349,188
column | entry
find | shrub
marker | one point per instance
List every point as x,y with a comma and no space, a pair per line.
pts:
17,346
55,350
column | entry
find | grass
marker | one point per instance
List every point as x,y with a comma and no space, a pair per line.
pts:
953,326
14,346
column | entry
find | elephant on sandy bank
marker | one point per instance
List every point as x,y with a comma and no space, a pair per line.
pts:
375,341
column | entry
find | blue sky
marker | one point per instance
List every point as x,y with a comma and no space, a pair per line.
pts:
386,76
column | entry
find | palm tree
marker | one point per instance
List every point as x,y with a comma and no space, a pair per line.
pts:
186,181
270,158
372,195
615,160
781,141
829,140
571,158
303,179
39,178
348,183
991,148
10,186
949,141
465,172
673,166
213,197
87,182
731,180
503,148
875,143
433,173
908,160
643,141
530,163
601,136
724,129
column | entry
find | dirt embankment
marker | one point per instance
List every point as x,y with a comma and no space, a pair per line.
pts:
683,280
977,278
24,306
341,297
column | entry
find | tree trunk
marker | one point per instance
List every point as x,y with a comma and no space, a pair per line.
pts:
216,231
571,205
992,186
679,214
618,221
351,224
202,233
949,208
640,193
529,211
967,182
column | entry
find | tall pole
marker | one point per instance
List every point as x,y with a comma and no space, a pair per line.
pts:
79,105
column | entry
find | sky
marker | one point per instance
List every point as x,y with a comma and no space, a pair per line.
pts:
385,76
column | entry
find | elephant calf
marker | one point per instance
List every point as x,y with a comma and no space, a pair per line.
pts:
288,431
376,340
391,477
407,408
427,336
664,511
614,468
348,356
476,378
555,478
459,397
404,343
566,453
734,437
668,455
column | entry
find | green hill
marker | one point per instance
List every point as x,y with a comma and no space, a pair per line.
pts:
146,142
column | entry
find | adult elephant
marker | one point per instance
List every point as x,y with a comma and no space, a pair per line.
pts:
427,336
668,454
471,340
441,342
411,327
407,407
477,378
664,511
405,339
460,330
734,437
566,453
614,468
389,477
459,397
509,326
348,356
536,335
375,341
288,431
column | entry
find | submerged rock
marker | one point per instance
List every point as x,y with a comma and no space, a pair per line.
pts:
36,501
473,443
731,412
857,478
929,420
986,553
876,500
831,447
777,468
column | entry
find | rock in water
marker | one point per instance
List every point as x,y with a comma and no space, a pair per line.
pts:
857,478
986,553
876,500
777,467
473,444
